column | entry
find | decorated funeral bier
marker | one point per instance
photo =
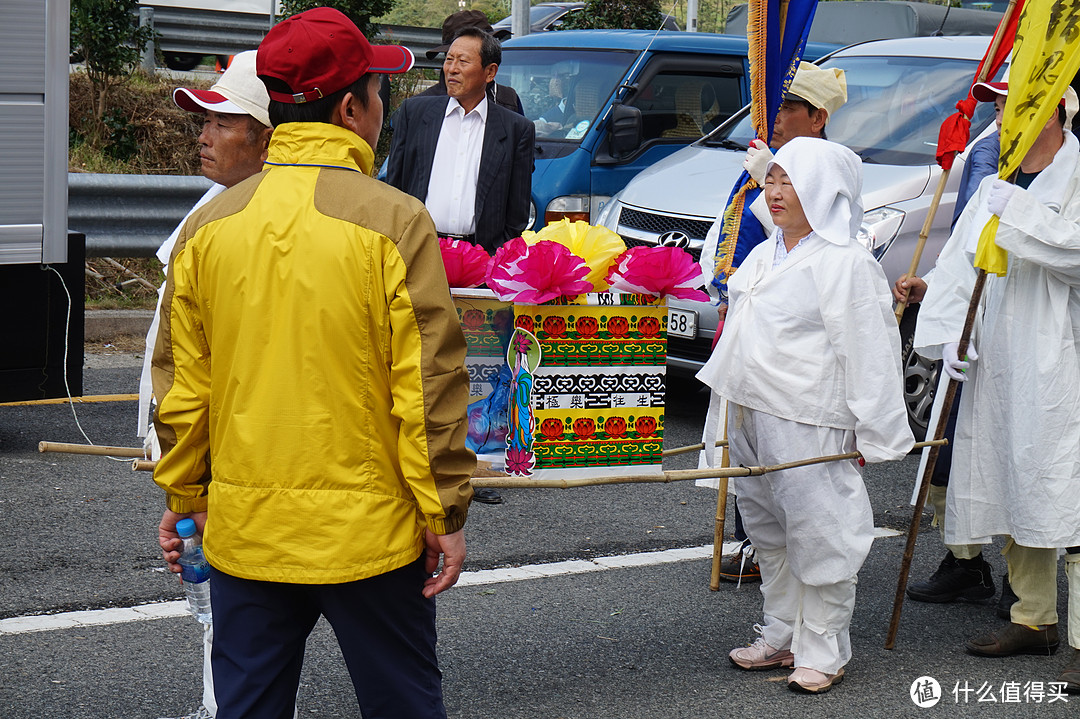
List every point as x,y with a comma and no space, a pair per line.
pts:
567,348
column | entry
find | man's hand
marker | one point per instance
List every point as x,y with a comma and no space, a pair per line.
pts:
909,290
757,159
170,541
998,196
953,365
451,547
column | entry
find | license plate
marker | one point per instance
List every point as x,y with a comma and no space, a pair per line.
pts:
682,323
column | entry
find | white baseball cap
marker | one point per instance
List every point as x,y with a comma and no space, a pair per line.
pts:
238,91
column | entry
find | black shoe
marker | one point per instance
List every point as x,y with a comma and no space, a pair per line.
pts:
486,495
1007,599
965,579
1070,675
1015,639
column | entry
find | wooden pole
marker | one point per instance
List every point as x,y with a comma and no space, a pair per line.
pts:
931,460
90,449
995,43
74,400
924,233
673,475
721,516
690,448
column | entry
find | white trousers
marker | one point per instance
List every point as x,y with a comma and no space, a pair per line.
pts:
811,527
208,699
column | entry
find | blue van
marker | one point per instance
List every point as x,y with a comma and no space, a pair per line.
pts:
608,103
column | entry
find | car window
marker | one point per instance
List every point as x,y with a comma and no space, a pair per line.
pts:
686,105
562,91
894,110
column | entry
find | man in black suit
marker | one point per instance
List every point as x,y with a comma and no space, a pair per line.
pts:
502,94
468,160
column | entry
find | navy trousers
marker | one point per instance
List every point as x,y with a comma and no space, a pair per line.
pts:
384,626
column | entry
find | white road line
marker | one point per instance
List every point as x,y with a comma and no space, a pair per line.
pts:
168,610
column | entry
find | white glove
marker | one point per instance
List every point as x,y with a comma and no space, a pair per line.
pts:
953,365
758,157
998,196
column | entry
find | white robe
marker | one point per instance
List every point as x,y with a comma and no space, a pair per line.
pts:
1016,458
814,341
146,389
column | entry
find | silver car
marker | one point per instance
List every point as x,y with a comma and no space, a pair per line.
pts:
899,92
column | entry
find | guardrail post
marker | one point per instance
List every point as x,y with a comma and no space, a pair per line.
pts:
146,19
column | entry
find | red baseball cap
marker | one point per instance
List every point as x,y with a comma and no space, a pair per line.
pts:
320,51
989,91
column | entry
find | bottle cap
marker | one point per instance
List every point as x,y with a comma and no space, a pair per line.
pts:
186,528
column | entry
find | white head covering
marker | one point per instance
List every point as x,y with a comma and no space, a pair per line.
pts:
827,178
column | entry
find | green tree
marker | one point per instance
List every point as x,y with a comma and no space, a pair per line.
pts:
106,34
616,14
360,12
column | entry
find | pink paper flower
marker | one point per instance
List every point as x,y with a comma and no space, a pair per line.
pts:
466,264
533,274
658,271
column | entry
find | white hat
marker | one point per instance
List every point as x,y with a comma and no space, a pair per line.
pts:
820,86
238,91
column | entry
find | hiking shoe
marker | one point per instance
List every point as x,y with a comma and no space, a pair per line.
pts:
760,656
740,566
810,681
1070,675
201,713
966,579
1007,599
1015,639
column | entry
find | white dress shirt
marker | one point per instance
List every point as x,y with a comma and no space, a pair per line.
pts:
451,195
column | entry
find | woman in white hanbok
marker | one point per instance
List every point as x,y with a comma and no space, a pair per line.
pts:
809,364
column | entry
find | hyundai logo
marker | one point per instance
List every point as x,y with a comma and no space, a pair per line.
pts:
675,238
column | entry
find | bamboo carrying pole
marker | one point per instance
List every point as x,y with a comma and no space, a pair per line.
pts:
931,460
75,400
995,43
721,516
93,449
673,475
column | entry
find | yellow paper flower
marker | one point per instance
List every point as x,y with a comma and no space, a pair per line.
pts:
598,246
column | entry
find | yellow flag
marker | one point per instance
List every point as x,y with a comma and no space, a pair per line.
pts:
1046,56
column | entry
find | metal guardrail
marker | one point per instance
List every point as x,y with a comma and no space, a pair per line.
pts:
218,32
129,215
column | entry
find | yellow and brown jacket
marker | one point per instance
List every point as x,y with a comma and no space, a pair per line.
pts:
310,353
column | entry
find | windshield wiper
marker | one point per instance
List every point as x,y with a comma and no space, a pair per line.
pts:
726,144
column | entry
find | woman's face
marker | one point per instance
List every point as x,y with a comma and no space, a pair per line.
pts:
784,206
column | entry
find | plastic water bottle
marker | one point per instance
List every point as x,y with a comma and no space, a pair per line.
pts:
194,571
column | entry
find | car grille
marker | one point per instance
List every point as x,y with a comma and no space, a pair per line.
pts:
695,350
648,222
659,224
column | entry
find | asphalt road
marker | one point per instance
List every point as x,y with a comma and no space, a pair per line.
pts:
643,641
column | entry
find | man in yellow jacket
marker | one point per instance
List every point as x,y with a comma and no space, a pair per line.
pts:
310,370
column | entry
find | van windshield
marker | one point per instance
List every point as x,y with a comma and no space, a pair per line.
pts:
894,110
563,90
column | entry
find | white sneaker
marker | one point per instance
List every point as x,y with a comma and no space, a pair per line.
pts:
811,681
760,655
201,713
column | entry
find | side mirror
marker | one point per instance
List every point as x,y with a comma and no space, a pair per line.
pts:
625,129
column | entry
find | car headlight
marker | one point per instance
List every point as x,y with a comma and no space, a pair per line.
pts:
609,215
532,215
570,207
879,228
